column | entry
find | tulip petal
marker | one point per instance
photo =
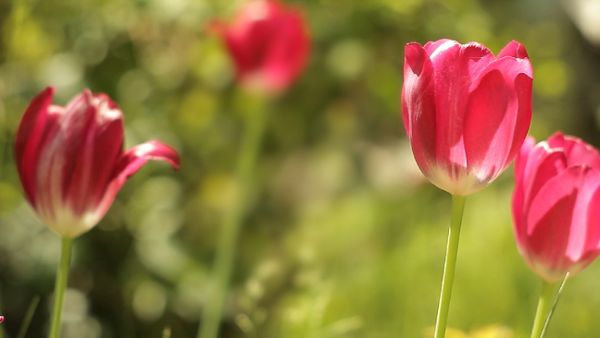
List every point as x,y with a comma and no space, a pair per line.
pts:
577,151
431,46
580,232
131,161
456,67
518,198
593,239
418,105
535,166
285,59
489,125
101,135
523,156
549,221
542,165
498,116
514,49
36,126
268,43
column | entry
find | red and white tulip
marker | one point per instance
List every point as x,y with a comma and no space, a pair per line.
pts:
71,159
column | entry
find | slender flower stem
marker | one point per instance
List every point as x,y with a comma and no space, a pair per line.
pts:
554,304
458,205
28,317
62,273
213,312
546,303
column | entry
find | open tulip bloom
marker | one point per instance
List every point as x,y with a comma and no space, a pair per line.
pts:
466,113
556,211
72,164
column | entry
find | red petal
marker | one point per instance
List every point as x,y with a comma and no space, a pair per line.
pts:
268,43
549,223
287,52
94,151
577,151
132,161
518,200
418,105
514,49
581,234
535,166
431,46
489,127
34,130
455,68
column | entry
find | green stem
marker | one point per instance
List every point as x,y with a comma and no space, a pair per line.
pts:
213,312
28,317
60,285
546,303
458,205
554,304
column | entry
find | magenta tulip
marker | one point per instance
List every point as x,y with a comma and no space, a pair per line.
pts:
556,205
71,161
466,111
268,43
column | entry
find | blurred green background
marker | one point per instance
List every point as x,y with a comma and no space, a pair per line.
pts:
344,238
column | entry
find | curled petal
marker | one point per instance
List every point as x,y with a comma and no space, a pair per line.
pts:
133,160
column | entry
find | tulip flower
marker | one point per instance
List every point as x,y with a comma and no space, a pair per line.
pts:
71,160
71,163
556,212
268,43
466,113
556,205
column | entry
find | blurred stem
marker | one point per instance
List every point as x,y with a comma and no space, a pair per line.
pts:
28,317
546,304
60,285
253,134
458,206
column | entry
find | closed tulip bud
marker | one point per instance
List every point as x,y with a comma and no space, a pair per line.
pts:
556,205
466,112
269,44
71,160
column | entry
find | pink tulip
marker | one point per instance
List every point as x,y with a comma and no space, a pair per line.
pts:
268,43
71,161
556,205
466,111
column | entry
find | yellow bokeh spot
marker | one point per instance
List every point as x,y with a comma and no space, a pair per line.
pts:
551,78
